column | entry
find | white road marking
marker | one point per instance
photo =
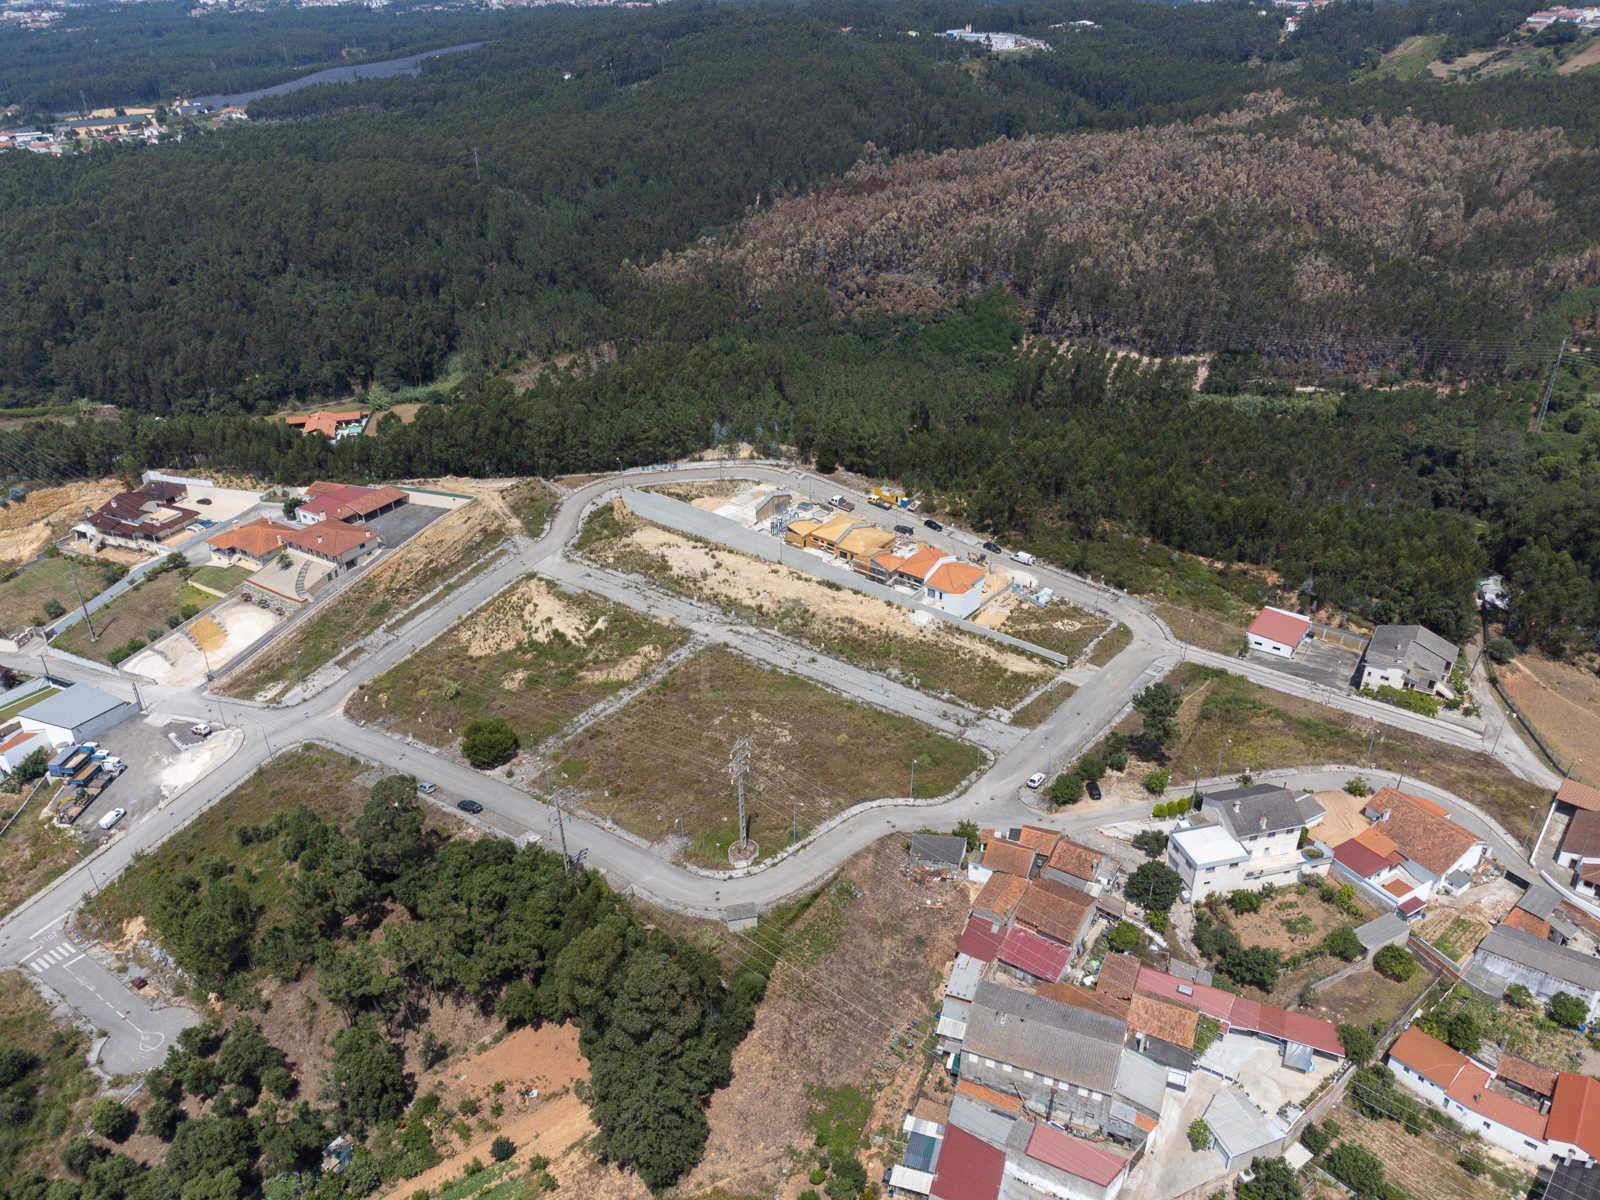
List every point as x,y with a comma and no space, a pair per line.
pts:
70,961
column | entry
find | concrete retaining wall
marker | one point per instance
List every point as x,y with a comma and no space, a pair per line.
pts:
686,518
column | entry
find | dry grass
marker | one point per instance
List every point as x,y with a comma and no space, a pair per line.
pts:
141,613
1206,630
22,596
663,760
1562,703
535,655
1058,627
1269,729
1367,996
1425,1166
33,852
1040,707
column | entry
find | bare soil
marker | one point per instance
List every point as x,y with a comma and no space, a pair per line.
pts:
1561,702
1367,996
27,526
659,767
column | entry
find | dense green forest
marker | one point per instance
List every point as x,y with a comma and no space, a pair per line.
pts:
520,933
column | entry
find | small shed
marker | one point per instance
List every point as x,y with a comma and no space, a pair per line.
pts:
741,916
937,850
1391,929
1241,1130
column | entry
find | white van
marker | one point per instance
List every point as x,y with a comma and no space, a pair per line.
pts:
1023,557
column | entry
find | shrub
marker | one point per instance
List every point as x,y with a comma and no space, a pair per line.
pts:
1274,1179
817,1176
1157,920
1155,782
1255,965
1200,1135
161,1119
849,1177
1567,1010
111,1120
450,690
1067,788
188,610
1463,1032
1520,996
54,609
1502,649
1124,937
502,1148
1152,841
1358,1043
1343,943
1358,787
33,766
1314,1139
489,742
1117,761
1396,963
1092,766
1244,901
1206,1031
1358,1168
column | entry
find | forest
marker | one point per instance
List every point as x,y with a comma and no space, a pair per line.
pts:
521,933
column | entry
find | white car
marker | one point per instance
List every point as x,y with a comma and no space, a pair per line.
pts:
112,817
203,729
1036,780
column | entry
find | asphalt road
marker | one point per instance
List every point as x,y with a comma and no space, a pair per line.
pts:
992,800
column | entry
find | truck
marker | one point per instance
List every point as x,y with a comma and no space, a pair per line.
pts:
888,497
1023,557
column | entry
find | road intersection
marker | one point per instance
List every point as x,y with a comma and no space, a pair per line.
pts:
992,799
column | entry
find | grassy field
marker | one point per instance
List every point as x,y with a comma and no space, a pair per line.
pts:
1267,729
221,579
33,852
1366,996
1059,627
533,502
141,613
1040,707
391,586
22,597
27,701
1207,630
320,778
534,655
1410,58
663,760
866,632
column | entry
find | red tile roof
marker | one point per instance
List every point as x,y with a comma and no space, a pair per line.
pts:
1160,1017
1236,1012
1000,895
1119,976
1465,1082
1035,954
1010,857
262,537
969,1168
1360,859
1528,1074
324,421
981,938
1575,1112
1521,918
921,564
1579,794
1410,906
1006,1100
1276,625
1055,908
1428,1057
1077,1158
1042,840
1086,998
1424,835
350,502
1214,1002
1076,860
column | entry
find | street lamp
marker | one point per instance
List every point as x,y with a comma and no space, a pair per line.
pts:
1226,742
1534,809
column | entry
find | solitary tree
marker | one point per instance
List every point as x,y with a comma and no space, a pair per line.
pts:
1154,885
489,742
1568,1010
1158,705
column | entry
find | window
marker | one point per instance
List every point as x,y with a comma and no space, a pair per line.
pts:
1027,1074
1084,1092
1005,1067
1530,1145
988,1062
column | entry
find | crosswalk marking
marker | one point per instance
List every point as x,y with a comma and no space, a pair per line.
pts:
38,965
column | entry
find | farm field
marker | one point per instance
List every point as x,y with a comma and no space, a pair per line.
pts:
1424,1166
908,647
659,767
142,614
1562,703
535,655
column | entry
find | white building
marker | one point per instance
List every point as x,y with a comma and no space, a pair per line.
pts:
956,587
1408,657
76,713
1278,631
1455,1084
1248,837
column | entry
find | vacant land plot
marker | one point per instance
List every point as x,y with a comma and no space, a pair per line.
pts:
388,588
909,647
143,613
1266,729
858,963
1425,1165
1524,1032
25,596
1041,706
32,852
1366,996
1410,58
1058,626
1222,632
660,766
1291,923
1562,703
534,655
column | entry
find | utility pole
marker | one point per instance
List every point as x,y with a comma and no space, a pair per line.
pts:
913,777
73,571
94,896
1186,636
738,764
1368,759
300,682
1549,387
433,728
1226,742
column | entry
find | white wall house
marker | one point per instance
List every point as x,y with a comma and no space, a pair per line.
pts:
1277,631
1458,1086
1250,837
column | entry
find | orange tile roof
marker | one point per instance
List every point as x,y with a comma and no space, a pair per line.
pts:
325,422
1575,1112
977,1091
1428,1056
1039,839
261,537
1086,998
321,488
1472,1089
1055,909
1143,1122
956,577
1530,1075
1001,895
1071,858
257,539
1521,918
1398,888
1119,976
1579,794
889,562
1415,826
1465,1082
16,739
1011,857
1380,845
920,564
1162,1018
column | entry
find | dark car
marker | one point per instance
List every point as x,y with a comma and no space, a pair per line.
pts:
933,525
1094,790
471,806
905,529
203,500
992,548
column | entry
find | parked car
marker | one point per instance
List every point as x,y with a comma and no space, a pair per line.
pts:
137,982
1023,557
203,500
992,548
933,525
470,806
112,817
1036,780
426,788
841,502
203,729
196,528
1094,790
904,530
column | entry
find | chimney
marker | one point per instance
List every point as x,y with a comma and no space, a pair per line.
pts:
1263,820
1235,808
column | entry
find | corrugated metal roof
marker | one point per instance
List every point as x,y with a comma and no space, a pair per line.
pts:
1555,961
1238,1124
1042,957
1070,1047
980,1120
964,977
1073,1157
1380,932
73,706
1142,1082
937,850
1540,900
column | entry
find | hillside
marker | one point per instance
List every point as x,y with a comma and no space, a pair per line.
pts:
1309,233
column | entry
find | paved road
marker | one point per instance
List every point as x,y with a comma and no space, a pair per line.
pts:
991,800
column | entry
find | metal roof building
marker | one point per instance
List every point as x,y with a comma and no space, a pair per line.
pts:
79,712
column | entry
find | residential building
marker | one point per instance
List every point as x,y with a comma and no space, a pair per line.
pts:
1580,850
19,745
351,504
1371,858
1430,844
996,852
1243,838
826,537
1408,657
138,520
1457,1085
955,587
1278,632
861,543
797,533
998,899
1294,1031
75,713
981,938
260,542
1037,958
1078,866
1573,1132
1048,1160
1058,911
1543,913
335,425
913,570
1544,968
